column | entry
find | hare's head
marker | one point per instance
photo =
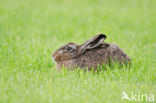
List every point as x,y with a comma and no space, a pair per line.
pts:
72,50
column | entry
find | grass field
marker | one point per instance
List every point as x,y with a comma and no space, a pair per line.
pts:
31,30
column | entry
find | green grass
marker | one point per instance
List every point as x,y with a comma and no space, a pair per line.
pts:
30,30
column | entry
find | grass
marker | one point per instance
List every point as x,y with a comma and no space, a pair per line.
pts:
31,30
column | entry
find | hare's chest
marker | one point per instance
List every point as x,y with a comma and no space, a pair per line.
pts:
67,64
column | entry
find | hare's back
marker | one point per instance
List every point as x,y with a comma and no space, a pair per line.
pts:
94,57
117,53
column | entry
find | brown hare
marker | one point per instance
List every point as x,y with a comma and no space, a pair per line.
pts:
91,54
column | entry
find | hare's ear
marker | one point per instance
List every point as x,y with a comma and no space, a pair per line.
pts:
93,42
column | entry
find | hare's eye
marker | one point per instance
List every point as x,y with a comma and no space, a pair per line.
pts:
68,48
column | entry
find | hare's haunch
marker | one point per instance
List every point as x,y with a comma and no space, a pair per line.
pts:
89,55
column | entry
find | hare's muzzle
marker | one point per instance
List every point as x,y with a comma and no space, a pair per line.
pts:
57,56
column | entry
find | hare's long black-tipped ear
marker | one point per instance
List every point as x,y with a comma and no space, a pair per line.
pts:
93,42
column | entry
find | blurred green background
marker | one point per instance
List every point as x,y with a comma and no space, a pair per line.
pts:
30,30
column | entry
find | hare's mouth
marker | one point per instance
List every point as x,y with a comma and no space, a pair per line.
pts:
56,58
53,58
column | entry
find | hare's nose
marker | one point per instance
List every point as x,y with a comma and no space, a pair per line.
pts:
53,59
52,56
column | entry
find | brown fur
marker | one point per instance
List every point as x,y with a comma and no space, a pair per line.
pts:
90,54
